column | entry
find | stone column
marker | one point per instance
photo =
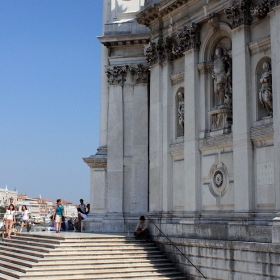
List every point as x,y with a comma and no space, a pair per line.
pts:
140,177
167,137
114,217
155,150
242,120
275,65
191,151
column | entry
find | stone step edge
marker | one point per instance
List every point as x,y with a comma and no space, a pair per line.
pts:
92,267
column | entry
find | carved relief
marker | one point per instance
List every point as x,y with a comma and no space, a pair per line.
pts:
222,76
239,13
140,73
181,110
265,92
151,53
189,39
117,74
221,119
260,11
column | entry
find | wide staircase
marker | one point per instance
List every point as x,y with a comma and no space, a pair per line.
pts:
82,256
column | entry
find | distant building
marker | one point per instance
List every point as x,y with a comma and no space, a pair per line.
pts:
7,197
70,208
45,206
31,204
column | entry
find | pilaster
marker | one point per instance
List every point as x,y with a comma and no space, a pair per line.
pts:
167,112
155,135
242,104
191,151
275,65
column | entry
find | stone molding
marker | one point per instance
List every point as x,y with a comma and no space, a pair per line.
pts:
95,162
224,140
260,45
177,149
157,11
262,136
177,78
117,74
205,67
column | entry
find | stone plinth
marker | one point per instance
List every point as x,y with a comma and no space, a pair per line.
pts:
221,121
276,230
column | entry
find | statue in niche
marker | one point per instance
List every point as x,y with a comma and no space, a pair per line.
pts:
181,109
222,78
265,92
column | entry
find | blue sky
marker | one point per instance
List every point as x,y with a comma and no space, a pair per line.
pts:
49,95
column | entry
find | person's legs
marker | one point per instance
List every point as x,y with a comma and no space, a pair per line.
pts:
9,227
144,234
21,226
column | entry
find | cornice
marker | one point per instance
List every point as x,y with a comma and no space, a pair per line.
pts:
125,40
262,136
96,162
177,149
260,45
157,11
224,140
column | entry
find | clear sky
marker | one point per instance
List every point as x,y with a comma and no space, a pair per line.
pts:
49,95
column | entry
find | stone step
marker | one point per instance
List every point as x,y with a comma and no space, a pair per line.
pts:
63,262
79,247
102,273
27,247
86,267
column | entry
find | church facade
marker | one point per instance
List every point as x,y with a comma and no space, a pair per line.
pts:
190,130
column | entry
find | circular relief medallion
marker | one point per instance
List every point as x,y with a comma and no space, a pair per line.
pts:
218,178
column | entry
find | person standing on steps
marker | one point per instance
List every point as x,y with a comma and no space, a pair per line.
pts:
141,230
58,214
25,219
10,219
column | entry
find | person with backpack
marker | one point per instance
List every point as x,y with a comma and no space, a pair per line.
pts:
59,214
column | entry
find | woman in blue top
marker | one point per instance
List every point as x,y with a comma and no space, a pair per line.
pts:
58,213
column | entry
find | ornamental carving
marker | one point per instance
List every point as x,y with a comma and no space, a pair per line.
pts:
117,74
150,51
260,11
265,92
239,13
189,39
140,73
167,45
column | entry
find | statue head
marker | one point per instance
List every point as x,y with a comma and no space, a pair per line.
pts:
266,66
181,95
219,51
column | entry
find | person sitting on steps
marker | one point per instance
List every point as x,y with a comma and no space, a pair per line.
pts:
141,230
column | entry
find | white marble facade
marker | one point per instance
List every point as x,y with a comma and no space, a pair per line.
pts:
190,116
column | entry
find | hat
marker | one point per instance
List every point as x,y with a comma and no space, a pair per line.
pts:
142,218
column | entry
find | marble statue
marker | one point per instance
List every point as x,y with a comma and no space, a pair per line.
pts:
222,78
265,92
181,109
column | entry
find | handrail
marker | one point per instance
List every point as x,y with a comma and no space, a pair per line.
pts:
175,246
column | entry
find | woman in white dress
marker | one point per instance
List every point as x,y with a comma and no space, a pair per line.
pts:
10,219
25,219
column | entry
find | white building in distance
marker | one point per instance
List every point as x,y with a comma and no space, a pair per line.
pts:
7,196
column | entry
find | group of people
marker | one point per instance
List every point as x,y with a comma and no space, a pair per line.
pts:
10,219
58,217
